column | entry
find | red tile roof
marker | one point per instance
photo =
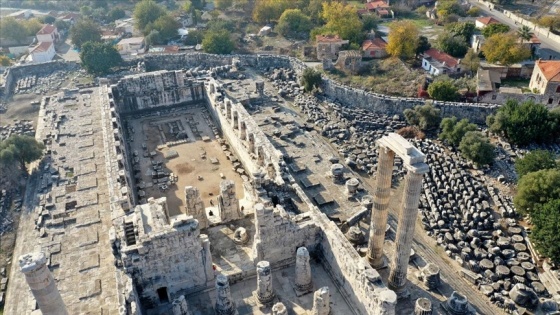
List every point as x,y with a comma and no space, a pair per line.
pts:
441,57
46,29
328,38
486,20
376,4
550,69
42,47
374,44
382,12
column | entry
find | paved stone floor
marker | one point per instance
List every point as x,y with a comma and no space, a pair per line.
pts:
282,280
76,238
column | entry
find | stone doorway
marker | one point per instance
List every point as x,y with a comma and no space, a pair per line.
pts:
162,294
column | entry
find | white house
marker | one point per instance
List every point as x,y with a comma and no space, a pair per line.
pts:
43,52
130,46
48,33
125,25
437,62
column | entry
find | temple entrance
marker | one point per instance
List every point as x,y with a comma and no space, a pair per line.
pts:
162,294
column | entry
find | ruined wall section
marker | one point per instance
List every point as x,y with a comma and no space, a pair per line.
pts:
162,254
278,235
14,73
245,137
155,89
378,103
360,283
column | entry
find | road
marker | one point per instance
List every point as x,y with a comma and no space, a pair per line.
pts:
545,42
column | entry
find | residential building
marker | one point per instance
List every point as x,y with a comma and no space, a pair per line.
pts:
48,33
164,49
328,46
476,42
546,80
131,46
484,21
21,15
437,62
43,52
125,25
374,48
487,80
379,7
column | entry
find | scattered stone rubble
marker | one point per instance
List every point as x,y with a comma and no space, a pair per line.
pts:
40,84
20,127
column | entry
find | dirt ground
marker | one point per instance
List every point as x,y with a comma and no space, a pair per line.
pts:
194,158
20,108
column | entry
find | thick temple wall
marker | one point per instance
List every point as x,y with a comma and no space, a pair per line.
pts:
378,103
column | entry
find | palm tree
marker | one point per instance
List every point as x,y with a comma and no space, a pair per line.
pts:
524,33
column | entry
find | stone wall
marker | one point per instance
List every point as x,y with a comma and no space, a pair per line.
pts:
278,235
163,253
378,103
357,280
155,89
12,74
245,137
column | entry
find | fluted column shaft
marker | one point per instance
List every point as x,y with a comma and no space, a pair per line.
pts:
380,207
405,230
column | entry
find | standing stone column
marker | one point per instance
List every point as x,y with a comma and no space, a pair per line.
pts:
279,309
41,283
265,293
195,206
423,306
228,204
405,229
207,257
380,207
321,300
224,303
180,306
303,272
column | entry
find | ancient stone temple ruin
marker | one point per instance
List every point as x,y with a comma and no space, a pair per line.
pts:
217,203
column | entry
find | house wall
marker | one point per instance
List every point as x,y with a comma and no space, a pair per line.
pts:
538,80
46,37
43,56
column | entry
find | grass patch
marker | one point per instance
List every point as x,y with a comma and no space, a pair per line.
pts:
518,83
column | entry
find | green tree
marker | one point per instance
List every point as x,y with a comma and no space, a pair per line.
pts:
315,9
146,12
218,42
47,19
62,25
451,44
422,45
266,11
32,26
310,79
425,117
471,61
535,161
5,61
443,90
449,7
504,49
552,22
86,11
537,188
12,29
85,30
475,147
20,149
154,38
524,33
494,28
223,4
294,24
462,29
98,58
369,22
454,130
474,11
523,123
545,236
403,39
343,20
166,25
115,14
194,37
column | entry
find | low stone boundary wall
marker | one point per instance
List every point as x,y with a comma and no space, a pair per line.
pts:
13,73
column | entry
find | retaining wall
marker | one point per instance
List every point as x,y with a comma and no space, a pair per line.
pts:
12,74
